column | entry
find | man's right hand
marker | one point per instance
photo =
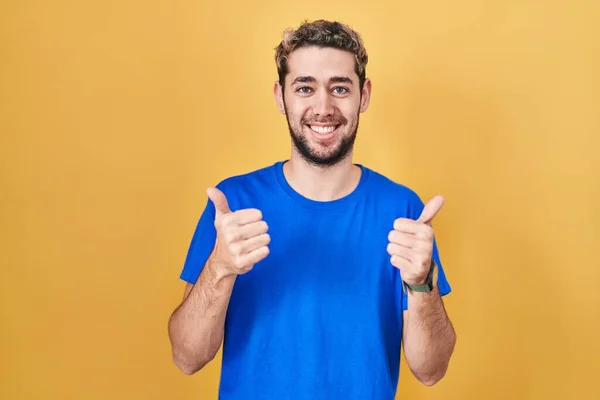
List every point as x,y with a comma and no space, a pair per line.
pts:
242,238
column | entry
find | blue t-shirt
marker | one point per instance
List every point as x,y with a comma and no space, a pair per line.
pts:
321,316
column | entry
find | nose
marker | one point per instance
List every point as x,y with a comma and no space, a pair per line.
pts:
324,104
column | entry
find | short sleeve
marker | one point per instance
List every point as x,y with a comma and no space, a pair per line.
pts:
201,246
442,282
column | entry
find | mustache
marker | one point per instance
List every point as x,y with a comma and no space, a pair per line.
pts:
338,120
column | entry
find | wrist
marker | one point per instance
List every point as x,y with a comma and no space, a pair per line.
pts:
427,285
219,271
417,282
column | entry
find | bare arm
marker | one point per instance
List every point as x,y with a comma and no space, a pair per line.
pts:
196,326
428,336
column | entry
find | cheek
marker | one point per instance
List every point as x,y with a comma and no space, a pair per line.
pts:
295,111
350,109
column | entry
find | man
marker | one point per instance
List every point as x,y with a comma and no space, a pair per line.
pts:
314,270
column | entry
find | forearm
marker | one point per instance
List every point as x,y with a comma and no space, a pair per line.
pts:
196,327
429,337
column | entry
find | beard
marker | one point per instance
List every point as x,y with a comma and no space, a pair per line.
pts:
325,158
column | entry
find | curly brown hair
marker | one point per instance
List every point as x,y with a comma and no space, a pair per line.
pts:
322,33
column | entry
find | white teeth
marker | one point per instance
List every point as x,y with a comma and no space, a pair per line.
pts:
323,129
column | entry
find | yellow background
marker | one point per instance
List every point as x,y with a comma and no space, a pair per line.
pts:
116,115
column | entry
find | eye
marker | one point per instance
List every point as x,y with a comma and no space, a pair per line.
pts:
340,90
304,89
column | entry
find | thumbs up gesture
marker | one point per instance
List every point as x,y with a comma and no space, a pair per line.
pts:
411,243
242,236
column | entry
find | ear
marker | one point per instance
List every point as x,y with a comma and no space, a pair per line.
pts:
365,96
278,92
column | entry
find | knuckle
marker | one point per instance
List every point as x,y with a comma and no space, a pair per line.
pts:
390,248
422,248
428,232
238,262
422,236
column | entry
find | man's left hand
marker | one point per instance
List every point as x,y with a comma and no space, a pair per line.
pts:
411,243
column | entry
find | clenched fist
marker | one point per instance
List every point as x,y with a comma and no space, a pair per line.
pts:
411,244
242,236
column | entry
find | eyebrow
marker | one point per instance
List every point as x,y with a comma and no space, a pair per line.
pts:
341,79
333,79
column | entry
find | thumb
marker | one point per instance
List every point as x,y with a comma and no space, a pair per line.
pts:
431,209
219,200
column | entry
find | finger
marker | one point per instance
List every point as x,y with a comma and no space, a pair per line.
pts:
247,216
219,200
401,238
234,233
406,225
255,256
254,243
400,262
252,229
423,245
431,209
400,251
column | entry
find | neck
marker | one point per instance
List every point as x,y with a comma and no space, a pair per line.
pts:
325,183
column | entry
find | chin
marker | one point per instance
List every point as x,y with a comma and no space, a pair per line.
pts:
325,148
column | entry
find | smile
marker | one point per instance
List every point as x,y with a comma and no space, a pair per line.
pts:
323,130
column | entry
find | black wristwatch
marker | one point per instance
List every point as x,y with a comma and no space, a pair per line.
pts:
430,282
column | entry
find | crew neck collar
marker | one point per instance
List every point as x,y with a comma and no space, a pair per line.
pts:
314,204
